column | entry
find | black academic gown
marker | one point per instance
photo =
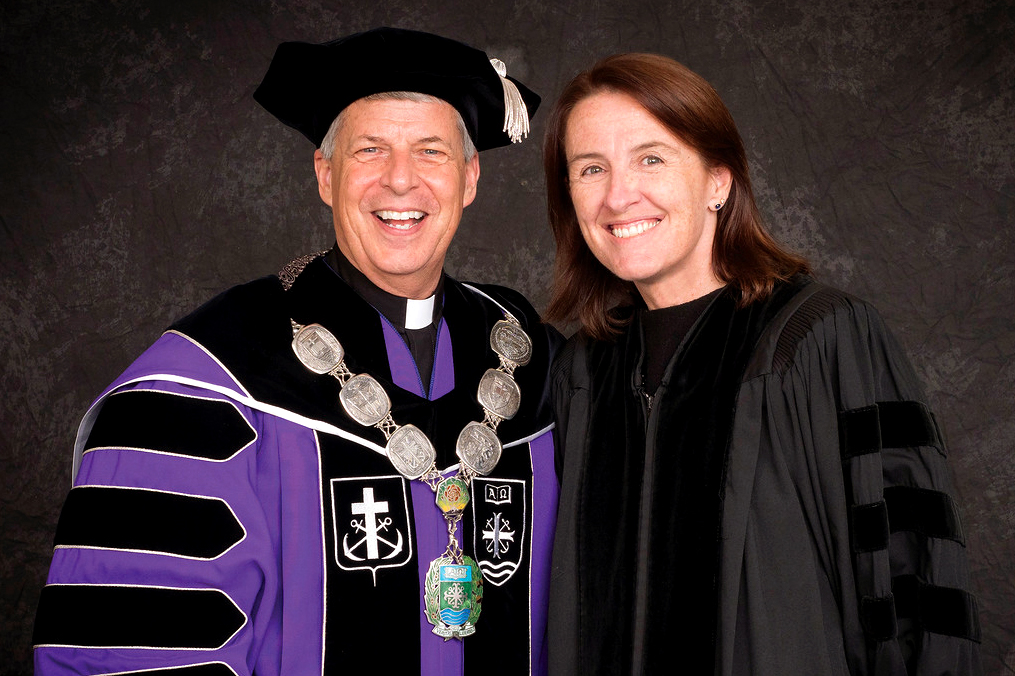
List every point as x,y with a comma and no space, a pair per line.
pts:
781,507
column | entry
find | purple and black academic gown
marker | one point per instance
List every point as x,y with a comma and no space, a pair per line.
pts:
227,517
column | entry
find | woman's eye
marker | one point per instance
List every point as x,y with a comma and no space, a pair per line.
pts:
591,171
651,159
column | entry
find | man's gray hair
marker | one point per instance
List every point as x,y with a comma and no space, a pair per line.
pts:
328,144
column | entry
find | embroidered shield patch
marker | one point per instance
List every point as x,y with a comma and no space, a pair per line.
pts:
499,515
370,517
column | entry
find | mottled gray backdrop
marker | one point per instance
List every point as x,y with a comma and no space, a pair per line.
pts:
138,178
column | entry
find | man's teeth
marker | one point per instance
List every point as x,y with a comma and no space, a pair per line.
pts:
400,215
633,229
402,220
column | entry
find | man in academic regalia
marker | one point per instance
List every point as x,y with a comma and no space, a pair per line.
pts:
345,467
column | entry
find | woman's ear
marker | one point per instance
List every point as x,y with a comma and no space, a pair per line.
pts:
722,182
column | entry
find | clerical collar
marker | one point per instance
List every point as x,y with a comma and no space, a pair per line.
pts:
403,313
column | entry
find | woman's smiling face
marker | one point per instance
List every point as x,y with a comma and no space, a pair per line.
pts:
644,199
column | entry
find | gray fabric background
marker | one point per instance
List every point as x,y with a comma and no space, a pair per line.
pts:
138,178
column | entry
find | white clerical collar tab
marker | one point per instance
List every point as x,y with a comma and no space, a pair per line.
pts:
419,313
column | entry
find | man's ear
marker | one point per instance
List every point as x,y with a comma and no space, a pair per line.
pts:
322,167
471,179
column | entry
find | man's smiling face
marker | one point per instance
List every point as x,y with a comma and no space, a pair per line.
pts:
397,184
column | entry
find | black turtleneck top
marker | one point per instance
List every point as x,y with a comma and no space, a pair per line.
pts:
664,329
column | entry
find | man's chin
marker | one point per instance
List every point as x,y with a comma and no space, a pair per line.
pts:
410,279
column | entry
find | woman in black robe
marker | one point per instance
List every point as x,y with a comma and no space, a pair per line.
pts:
753,482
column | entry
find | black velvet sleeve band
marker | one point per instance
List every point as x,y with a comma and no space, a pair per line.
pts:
907,423
877,615
144,520
942,610
859,432
869,528
887,424
169,423
101,616
923,510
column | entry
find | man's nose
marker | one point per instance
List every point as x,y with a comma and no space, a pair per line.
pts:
400,172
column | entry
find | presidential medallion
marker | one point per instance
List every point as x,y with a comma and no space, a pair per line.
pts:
479,448
453,587
410,451
454,596
365,400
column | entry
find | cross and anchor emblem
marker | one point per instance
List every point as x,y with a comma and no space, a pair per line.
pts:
370,518
370,526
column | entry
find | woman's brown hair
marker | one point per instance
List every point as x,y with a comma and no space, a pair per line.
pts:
744,255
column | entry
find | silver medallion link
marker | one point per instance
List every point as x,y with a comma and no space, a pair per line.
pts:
365,400
509,340
317,348
411,452
499,393
479,448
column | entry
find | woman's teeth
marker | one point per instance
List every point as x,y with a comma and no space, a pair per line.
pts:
634,229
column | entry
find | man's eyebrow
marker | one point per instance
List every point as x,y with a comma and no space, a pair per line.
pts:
381,139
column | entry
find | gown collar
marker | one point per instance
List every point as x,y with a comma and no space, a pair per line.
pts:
403,313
